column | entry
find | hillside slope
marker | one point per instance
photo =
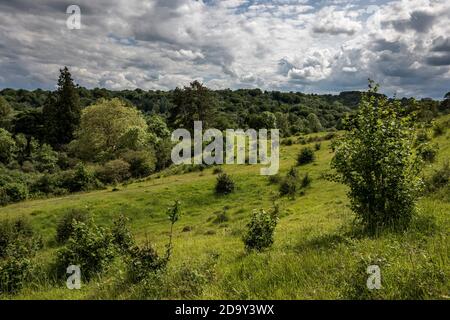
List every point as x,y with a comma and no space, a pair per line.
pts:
316,254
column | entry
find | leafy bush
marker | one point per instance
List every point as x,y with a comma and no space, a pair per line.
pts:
287,142
142,163
114,171
14,269
439,179
305,156
221,217
44,158
274,179
217,170
439,129
306,181
13,230
422,137
122,236
13,192
65,226
224,184
50,184
317,146
289,186
260,230
428,152
376,161
18,244
90,247
7,146
81,179
143,261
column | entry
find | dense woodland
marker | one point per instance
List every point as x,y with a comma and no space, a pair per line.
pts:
76,139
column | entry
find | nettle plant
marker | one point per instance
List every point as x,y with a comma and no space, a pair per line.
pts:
376,160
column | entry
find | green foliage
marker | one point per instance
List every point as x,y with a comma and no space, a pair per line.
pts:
217,170
192,103
62,111
305,156
260,230
7,146
314,123
274,179
81,179
65,226
18,244
142,163
13,192
90,247
108,127
428,152
173,213
44,158
122,236
224,184
142,262
306,181
12,231
439,129
265,120
221,217
317,146
375,159
439,179
114,171
5,108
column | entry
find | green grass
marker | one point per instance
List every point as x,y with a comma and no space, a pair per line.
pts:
316,254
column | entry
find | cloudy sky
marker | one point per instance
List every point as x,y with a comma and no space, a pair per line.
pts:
299,45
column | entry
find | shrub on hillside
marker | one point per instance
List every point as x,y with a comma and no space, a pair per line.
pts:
375,159
49,184
14,268
428,152
306,181
439,129
217,170
65,226
114,171
90,247
13,192
13,230
274,179
122,236
142,163
260,230
142,261
18,244
317,146
81,179
289,186
305,156
439,179
224,184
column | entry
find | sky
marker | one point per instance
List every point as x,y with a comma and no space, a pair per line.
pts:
324,46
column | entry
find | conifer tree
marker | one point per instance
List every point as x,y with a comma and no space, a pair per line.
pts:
62,111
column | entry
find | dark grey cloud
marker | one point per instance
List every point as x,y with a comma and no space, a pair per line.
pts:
383,44
419,21
283,44
439,60
441,44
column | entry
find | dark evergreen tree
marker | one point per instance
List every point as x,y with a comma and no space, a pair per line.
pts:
193,103
62,111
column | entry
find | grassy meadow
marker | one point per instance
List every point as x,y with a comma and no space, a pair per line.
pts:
317,254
